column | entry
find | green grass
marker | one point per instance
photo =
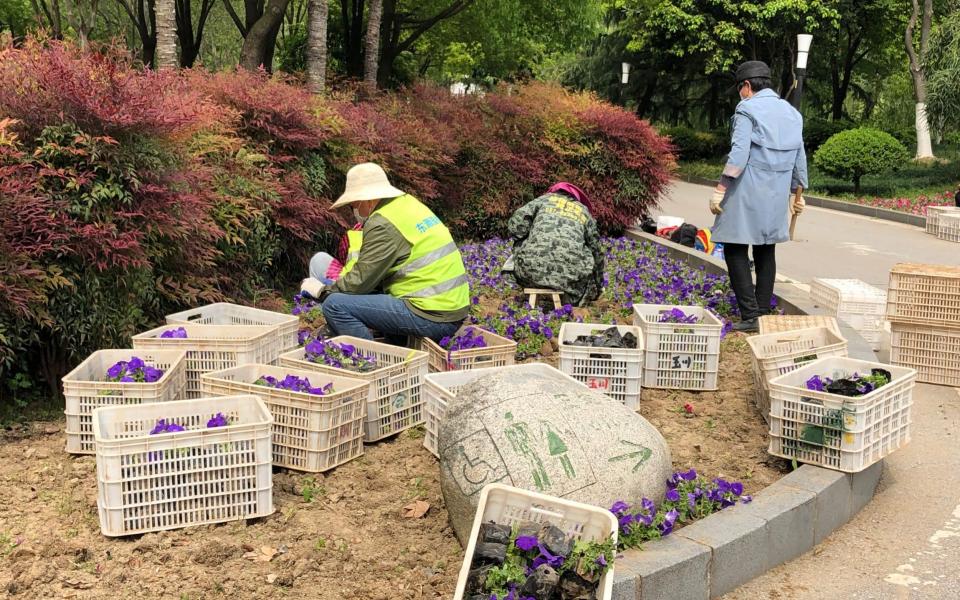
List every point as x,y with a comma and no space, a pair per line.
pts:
914,179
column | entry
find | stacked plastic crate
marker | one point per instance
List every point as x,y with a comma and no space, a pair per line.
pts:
858,304
923,307
933,218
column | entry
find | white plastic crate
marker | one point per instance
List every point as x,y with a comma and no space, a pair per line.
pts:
506,505
858,304
848,297
927,295
85,389
777,353
225,313
615,372
837,432
499,352
778,323
933,351
194,477
933,217
214,347
684,356
948,226
396,385
310,433
440,388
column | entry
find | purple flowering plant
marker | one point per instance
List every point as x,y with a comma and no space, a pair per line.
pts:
529,326
689,497
675,315
470,338
134,370
178,333
168,426
304,305
293,383
850,386
526,553
339,355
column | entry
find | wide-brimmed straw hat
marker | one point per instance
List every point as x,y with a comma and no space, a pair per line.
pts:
366,181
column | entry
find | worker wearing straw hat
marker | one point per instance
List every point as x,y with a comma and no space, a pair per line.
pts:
406,253
752,199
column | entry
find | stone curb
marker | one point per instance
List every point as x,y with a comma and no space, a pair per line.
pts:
833,204
717,554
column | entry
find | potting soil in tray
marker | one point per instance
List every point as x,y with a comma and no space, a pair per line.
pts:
609,338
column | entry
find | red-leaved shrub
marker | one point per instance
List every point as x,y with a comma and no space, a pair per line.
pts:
128,194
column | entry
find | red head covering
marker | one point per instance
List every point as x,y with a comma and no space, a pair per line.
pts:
572,191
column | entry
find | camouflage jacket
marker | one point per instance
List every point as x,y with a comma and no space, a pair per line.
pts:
557,246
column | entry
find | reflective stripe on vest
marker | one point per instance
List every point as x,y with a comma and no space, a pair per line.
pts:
354,241
433,276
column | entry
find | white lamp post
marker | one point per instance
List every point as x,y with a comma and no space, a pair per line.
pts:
624,73
803,53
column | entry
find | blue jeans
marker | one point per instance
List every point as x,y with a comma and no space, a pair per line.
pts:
356,315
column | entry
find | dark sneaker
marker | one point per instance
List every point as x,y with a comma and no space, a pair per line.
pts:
748,326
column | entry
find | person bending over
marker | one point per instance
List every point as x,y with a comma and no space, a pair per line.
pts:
406,253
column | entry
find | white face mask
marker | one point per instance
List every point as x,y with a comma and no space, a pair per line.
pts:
356,215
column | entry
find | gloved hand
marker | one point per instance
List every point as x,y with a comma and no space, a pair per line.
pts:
715,201
312,287
797,203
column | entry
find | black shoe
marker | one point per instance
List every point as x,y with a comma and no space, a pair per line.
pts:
748,326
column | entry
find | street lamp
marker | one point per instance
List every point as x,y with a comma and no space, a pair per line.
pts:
803,53
624,73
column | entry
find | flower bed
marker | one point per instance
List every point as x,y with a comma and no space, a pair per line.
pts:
634,272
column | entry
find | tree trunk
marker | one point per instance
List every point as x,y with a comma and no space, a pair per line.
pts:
166,53
257,49
924,145
372,57
317,12
189,40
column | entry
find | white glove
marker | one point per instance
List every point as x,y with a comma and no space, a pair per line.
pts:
312,287
715,201
797,204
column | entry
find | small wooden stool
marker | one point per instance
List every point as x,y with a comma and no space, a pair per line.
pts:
534,292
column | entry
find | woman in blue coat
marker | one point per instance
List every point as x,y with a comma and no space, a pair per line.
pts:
753,199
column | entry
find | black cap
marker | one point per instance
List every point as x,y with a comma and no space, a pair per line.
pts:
751,69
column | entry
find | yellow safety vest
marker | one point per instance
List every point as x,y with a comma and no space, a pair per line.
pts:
354,241
433,277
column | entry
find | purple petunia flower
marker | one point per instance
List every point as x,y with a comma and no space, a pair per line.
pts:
117,370
815,384
619,506
219,420
178,333
527,542
601,561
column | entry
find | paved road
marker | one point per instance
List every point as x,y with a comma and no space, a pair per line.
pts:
831,244
906,543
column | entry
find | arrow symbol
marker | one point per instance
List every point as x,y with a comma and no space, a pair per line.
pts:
640,455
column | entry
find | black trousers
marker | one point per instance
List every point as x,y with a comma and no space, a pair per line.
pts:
753,301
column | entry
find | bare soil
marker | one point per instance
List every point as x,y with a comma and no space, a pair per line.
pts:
333,536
